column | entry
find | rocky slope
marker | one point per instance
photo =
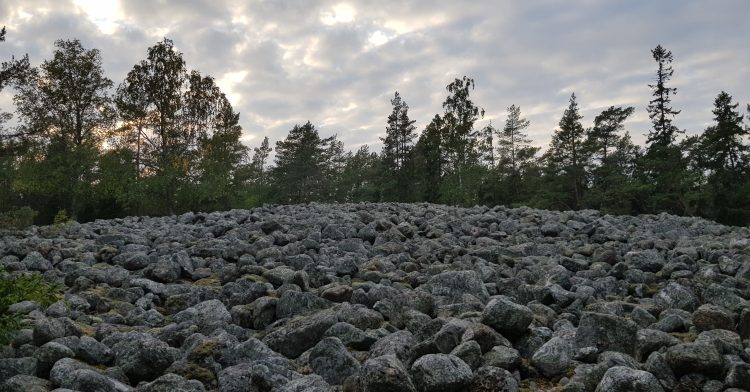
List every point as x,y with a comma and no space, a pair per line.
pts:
385,297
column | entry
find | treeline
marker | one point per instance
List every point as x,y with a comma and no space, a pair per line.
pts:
166,140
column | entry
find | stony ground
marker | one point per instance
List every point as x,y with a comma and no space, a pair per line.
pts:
385,297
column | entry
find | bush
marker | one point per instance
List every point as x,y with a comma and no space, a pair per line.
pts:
61,218
17,219
24,287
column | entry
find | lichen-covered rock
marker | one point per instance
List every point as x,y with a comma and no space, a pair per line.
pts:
607,333
172,382
383,297
506,316
440,373
384,374
625,379
554,357
330,359
299,335
207,315
143,357
493,379
10,367
688,358
25,383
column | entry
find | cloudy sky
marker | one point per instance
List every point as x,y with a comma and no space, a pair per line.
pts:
337,63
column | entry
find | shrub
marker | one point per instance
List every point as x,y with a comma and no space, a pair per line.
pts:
17,219
24,287
61,218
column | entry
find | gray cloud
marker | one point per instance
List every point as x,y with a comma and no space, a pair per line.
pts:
337,63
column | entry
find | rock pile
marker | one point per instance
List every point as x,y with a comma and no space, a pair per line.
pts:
384,297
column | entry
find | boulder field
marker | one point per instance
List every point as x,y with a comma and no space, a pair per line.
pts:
383,297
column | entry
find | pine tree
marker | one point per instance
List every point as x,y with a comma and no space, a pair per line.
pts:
515,155
567,157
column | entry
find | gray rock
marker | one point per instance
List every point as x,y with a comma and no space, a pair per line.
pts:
48,354
351,336
172,382
34,261
506,316
62,372
300,334
727,342
650,340
450,335
725,297
93,352
624,379
47,329
606,333
440,373
694,358
502,357
296,303
88,380
207,316
131,261
738,375
554,357
469,352
493,379
676,296
309,383
10,367
142,357
708,317
452,285
330,359
384,374
25,383
398,343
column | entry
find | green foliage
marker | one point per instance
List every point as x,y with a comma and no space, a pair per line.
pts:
23,287
301,165
177,147
61,218
396,169
17,219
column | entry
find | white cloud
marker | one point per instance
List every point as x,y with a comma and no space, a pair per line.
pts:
337,63
340,13
105,14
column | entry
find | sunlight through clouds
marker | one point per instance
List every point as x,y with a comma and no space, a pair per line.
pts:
105,14
340,13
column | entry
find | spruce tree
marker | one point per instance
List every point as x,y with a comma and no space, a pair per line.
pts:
664,165
395,168
301,165
725,159
659,108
